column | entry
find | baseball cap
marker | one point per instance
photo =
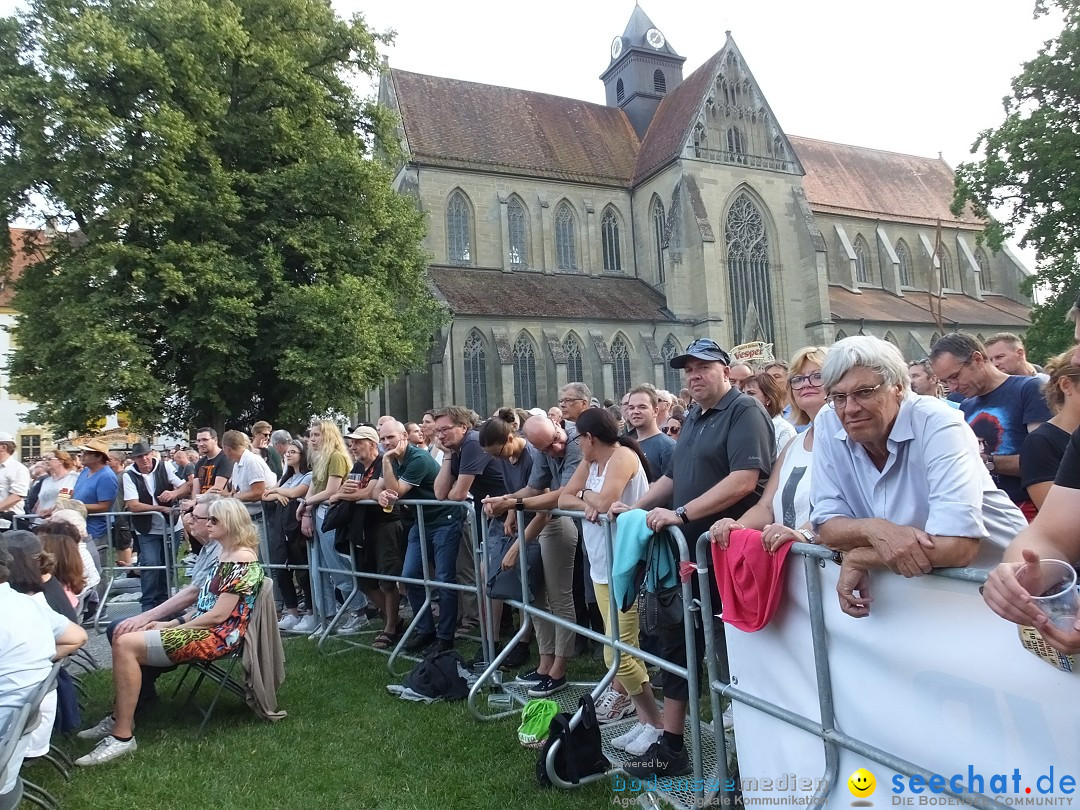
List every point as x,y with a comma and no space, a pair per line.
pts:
701,349
363,432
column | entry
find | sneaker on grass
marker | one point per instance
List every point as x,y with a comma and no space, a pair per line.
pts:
614,706
353,625
547,686
288,622
99,732
306,626
107,750
532,676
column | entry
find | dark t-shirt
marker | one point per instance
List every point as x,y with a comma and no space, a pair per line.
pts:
1041,454
272,458
208,469
419,469
188,470
1069,471
372,515
470,459
1000,421
658,450
735,434
516,476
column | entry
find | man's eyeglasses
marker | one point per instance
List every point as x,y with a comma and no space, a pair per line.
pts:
954,378
861,395
801,380
568,400
671,431
439,431
560,438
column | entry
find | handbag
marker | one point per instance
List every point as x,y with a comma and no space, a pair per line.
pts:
506,583
580,751
659,609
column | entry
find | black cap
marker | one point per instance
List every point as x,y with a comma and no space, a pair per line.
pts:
139,449
701,349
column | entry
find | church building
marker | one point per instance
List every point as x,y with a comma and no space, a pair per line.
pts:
579,241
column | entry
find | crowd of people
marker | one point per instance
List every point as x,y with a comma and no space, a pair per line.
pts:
969,456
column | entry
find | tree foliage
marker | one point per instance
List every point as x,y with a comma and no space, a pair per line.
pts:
1030,176
232,246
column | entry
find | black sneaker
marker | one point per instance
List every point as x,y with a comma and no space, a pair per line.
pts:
530,677
518,656
659,760
548,686
419,642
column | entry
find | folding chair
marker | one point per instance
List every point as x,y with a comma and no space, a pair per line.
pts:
61,761
12,727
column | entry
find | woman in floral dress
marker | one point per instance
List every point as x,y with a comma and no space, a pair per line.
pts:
210,629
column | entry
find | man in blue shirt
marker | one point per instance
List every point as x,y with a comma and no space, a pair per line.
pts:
96,487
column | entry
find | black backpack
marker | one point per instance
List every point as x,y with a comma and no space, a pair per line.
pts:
580,751
438,677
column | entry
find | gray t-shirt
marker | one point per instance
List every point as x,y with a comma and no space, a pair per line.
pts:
549,472
657,450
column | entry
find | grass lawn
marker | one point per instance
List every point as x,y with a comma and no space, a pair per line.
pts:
346,743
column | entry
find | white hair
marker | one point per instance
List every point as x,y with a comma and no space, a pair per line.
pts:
867,351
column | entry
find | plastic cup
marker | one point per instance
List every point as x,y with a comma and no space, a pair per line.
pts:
1052,585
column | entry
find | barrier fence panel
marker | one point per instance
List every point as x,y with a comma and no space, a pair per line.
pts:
931,676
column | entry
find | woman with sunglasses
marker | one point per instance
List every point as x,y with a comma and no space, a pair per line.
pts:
783,513
214,627
673,426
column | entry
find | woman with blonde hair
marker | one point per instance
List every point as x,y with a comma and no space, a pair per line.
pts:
1044,447
330,465
214,627
59,483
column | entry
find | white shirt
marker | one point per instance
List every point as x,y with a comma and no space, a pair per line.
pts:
131,492
28,636
933,478
52,487
14,480
595,534
784,431
249,469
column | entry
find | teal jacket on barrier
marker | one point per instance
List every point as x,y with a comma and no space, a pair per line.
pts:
632,538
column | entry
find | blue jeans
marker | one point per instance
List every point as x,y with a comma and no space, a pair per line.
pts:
154,584
327,557
443,544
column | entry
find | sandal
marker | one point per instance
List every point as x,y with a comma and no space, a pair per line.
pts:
384,641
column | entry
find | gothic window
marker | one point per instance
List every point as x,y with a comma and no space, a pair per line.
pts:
748,271
659,82
519,233
475,372
891,338
840,335
945,261
524,373
701,141
574,371
863,268
735,141
658,237
903,257
459,229
609,237
671,350
620,358
565,239
986,283
619,91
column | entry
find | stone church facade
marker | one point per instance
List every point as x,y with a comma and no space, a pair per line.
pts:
577,241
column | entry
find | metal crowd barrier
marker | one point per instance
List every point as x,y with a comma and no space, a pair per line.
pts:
813,556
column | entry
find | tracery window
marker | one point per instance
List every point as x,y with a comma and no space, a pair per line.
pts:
475,355
748,269
565,238
459,229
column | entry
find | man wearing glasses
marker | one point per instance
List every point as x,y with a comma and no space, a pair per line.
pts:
573,399
897,480
1001,409
719,469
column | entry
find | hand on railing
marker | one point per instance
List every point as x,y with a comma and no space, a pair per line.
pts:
854,579
720,532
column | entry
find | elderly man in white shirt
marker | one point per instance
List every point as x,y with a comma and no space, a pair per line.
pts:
897,479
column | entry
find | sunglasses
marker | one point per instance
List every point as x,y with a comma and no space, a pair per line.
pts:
212,520
671,431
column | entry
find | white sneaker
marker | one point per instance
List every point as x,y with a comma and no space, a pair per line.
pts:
614,706
133,596
624,740
99,732
317,633
306,626
107,750
353,625
644,741
288,622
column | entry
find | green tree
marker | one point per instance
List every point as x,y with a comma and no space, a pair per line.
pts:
232,246
1030,176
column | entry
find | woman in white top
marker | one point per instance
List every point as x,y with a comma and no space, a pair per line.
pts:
613,469
60,482
765,389
783,513
287,545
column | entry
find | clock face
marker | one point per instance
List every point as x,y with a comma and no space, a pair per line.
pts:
616,47
655,38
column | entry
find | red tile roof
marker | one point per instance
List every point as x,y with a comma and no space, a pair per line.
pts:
467,125
540,295
26,244
914,307
855,180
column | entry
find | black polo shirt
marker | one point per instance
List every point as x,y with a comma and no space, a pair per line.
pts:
735,434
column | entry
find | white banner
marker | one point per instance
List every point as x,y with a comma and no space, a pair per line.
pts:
931,676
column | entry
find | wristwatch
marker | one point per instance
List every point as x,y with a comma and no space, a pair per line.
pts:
990,463
809,535
681,512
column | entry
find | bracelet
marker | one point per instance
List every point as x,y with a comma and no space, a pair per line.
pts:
182,619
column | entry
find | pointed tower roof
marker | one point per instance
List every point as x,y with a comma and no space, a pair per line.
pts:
641,34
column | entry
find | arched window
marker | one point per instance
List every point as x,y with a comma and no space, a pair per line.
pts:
735,141
934,338
903,256
986,283
671,350
475,372
609,239
658,237
891,338
840,334
459,229
518,227
945,260
620,371
701,141
524,373
565,239
863,268
620,92
572,347
659,83
748,270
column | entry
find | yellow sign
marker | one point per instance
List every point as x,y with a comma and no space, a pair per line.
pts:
756,352
861,783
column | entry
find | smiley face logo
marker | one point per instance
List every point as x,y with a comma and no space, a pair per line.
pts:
861,783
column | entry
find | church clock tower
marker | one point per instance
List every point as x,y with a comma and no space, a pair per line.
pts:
643,69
